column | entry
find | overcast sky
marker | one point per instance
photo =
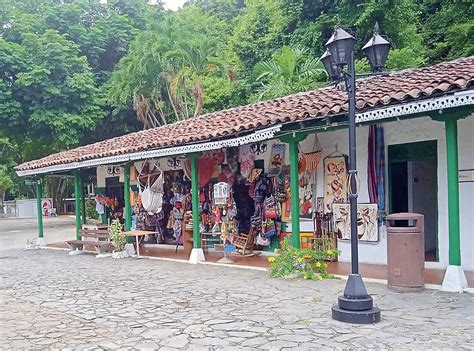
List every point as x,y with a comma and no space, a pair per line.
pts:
174,4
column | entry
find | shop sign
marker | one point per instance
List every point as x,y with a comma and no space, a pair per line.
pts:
466,175
32,182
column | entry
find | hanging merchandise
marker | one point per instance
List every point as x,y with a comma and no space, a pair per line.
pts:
270,207
246,158
221,193
280,192
376,169
269,228
276,160
99,205
262,241
205,170
232,159
335,179
150,188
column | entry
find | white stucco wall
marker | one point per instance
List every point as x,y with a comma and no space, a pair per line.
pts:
407,131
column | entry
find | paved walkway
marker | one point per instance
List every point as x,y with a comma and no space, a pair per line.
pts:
14,232
53,300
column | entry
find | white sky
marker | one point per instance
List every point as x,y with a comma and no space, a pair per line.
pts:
174,4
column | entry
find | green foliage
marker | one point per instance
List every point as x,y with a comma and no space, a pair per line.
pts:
78,71
291,70
5,181
117,235
307,263
90,210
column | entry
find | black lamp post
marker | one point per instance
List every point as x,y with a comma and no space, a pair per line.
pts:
356,305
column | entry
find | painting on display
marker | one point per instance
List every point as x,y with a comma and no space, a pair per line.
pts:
276,160
335,175
367,225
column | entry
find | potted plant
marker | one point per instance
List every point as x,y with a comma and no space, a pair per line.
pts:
118,239
309,263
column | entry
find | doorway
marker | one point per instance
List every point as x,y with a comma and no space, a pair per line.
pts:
413,186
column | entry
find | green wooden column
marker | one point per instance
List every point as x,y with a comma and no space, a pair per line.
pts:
451,131
293,141
83,203
39,209
77,197
193,158
295,203
126,195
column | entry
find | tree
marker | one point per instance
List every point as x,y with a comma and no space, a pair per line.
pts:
290,70
5,184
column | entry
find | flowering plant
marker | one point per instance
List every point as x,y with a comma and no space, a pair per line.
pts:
308,263
116,235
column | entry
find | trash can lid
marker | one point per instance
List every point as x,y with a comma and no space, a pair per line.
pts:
418,218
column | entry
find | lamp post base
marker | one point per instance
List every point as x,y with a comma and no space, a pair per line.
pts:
356,306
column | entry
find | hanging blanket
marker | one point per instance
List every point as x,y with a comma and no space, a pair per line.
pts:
205,170
276,160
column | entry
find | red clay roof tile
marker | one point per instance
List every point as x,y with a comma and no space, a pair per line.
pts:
393,88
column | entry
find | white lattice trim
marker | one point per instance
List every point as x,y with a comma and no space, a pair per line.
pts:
458,99
264,134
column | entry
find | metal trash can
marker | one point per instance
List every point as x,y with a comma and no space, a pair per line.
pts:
405,251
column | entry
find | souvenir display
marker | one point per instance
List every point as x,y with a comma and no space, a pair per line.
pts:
335,178
277,158
367,226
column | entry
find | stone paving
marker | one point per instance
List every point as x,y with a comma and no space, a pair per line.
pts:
51,300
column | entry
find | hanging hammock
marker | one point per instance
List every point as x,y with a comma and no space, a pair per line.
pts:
152,192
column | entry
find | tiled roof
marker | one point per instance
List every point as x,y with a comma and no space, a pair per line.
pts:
373,92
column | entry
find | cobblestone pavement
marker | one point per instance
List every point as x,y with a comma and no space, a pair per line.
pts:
50,300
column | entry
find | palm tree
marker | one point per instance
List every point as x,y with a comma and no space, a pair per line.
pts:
196,59
291,70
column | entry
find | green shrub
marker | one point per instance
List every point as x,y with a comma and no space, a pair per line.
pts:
308,263
116,235
90,210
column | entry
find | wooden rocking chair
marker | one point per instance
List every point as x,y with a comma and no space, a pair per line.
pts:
244,242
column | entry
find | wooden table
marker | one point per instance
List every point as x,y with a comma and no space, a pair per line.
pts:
136,234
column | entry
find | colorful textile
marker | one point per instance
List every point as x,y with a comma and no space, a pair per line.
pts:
276,160
205,170
246,158
371,164
312,160
376,168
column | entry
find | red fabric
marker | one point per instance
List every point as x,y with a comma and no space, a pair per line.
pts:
205,169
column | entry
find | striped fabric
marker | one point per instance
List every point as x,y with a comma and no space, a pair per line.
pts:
312,159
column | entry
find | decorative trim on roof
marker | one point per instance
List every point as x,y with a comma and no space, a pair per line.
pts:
411,91
463,98
261,135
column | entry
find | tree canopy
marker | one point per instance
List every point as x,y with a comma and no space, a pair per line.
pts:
79,71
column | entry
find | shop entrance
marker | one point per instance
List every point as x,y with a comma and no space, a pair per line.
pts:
413,186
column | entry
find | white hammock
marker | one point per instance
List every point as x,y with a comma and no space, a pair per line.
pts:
151,194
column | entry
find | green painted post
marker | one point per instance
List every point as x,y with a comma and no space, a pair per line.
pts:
77,197
83,203
195,199
39,209
294,190
453,191
126,195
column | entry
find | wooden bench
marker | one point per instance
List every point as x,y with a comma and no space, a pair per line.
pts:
101,247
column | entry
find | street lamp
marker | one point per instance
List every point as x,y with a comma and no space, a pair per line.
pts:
356,305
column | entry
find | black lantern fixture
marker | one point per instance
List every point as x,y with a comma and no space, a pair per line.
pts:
355,305
258,148
376,50
340,46
331,68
